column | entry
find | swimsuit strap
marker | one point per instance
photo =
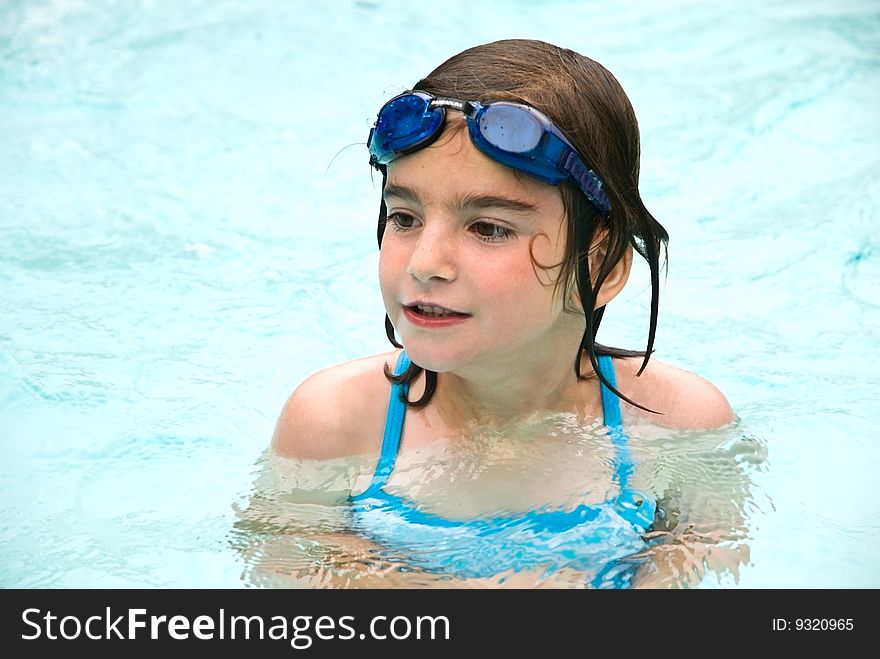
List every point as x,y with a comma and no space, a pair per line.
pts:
610,402
393,430
612,418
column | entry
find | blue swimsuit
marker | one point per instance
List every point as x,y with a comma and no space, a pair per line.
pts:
591,538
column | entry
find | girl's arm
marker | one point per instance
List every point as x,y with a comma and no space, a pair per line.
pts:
294,529
295,532
705,526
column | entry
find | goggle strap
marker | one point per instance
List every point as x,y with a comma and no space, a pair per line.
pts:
462,106
587,180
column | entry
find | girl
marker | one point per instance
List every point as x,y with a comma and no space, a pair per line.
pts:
496,431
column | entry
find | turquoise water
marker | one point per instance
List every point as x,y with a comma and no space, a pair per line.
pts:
188,230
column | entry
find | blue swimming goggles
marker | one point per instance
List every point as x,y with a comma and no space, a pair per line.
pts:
510,133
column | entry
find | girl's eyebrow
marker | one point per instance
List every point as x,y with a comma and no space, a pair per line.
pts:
464,201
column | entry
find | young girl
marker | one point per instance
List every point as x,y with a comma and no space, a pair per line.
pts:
496,432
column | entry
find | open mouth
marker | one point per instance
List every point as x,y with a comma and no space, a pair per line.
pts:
435,312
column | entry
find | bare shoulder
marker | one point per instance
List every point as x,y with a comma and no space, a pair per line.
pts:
686,400
338,411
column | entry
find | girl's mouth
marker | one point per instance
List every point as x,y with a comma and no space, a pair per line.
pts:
431,316
435,312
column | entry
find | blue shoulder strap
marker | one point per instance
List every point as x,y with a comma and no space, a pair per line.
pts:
611,414
393,430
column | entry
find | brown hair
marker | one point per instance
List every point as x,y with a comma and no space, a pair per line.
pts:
587,103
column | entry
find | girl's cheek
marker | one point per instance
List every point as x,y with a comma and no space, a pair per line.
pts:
509,275
392,267
388,256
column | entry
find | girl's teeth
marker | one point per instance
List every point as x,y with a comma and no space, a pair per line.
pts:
433,311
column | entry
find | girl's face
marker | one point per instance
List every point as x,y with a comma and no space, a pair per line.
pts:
459,232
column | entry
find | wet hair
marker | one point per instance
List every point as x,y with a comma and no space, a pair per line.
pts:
587,103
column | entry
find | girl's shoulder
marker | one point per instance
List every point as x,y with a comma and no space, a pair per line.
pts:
338,411
686,400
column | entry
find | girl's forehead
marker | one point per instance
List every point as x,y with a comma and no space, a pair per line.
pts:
452,167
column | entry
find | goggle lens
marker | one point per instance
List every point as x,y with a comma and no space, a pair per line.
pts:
403,124
510,128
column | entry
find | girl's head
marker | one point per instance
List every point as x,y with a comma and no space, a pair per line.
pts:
603,212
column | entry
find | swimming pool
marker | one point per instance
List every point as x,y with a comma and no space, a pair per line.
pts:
189,230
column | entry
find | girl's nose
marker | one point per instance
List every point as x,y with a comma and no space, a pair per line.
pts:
433,256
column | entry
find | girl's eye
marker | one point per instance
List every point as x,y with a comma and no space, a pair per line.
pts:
401,221
491,232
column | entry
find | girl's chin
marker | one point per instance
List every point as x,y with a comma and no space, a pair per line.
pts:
432,363
432,359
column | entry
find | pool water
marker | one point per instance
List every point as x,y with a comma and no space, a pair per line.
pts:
188,231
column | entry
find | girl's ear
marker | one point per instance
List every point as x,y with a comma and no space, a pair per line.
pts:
616,279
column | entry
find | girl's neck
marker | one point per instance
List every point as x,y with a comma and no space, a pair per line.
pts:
505,393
